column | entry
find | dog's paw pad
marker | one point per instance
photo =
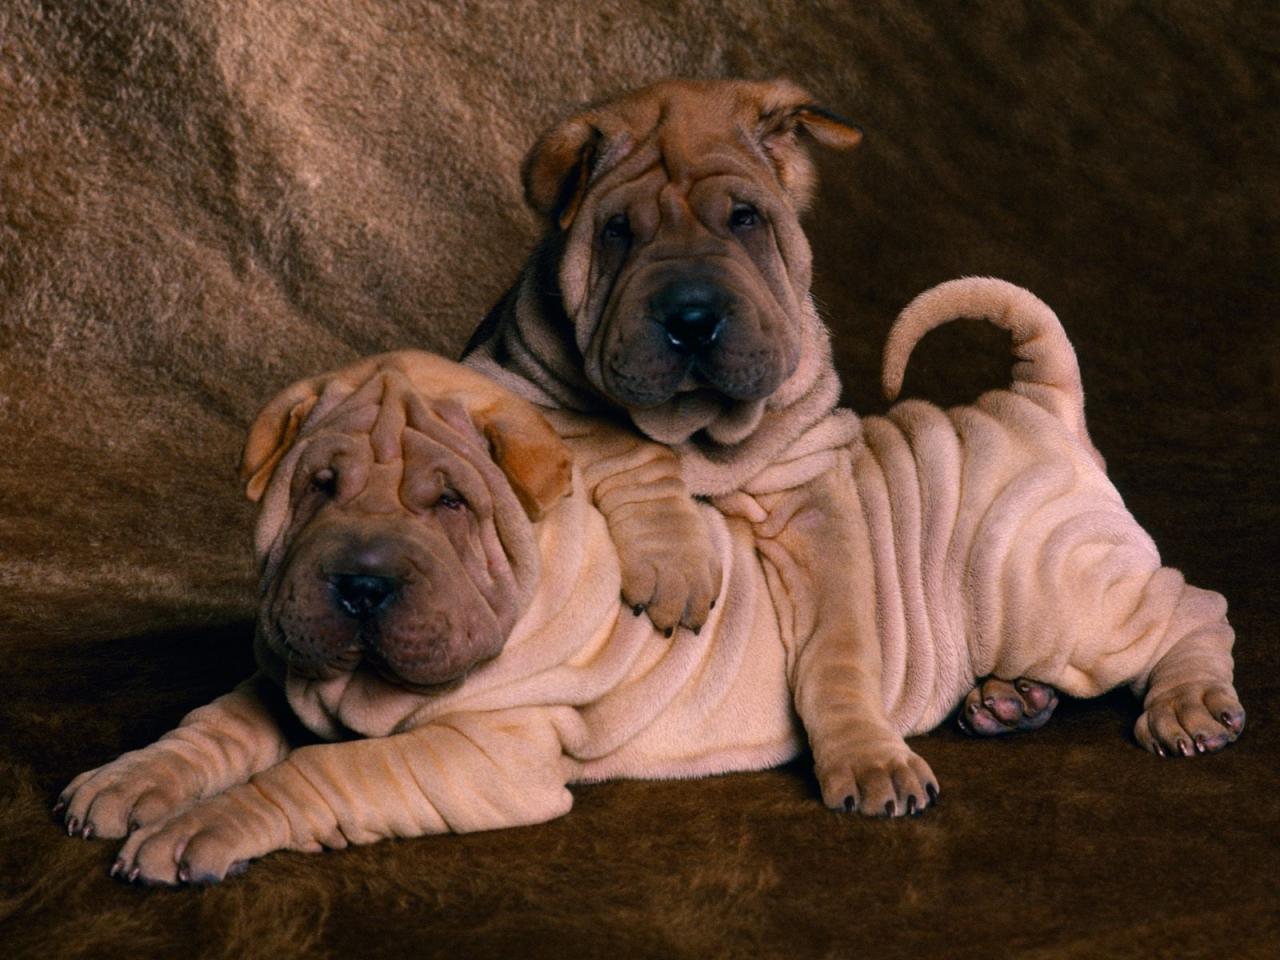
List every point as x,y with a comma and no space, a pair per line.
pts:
998,706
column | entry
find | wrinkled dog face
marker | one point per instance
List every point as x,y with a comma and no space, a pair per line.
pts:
393,562
390,539
684,265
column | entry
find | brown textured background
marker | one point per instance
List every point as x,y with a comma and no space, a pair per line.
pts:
201,201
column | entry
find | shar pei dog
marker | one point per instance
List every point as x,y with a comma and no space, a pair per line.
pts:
440,605
669,299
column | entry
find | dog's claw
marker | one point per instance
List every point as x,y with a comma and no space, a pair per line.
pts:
1191,721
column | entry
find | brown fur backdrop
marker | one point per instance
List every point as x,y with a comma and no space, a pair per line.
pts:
201,200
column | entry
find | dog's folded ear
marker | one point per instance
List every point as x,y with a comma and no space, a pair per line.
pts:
531,454
521,441
828,129
788,113
272,434
558,168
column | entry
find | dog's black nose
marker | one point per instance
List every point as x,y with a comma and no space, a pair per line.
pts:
692,311
361,595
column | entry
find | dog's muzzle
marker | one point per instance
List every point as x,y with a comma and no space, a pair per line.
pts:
403,607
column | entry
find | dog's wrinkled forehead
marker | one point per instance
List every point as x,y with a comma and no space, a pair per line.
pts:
677,134
431,440
679,125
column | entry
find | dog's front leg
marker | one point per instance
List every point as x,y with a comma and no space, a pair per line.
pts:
670,568
816,541
213,748
460,773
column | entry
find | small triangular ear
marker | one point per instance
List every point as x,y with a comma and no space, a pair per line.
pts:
529,452
272,434
558,169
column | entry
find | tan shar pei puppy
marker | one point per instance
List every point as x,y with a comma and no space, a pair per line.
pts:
670,294
436,583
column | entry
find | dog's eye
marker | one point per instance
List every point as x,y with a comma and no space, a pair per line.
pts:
325,482
744,217
617,228
451,500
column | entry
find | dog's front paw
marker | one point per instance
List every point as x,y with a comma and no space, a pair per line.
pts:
886,779
205,844
670,567
1191,719
998,706
135,790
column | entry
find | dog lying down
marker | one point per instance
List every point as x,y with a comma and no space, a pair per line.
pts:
441,603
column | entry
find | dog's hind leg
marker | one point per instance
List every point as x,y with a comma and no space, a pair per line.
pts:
1115,616
1190,704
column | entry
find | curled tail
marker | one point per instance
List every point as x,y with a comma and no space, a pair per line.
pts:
1046,371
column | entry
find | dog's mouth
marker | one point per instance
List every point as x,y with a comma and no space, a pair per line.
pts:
364,654
649,382
308,665
423,688
645,385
